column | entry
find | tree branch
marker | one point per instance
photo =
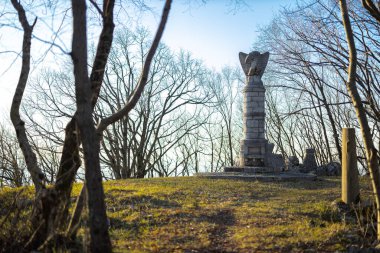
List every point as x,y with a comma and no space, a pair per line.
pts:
143,77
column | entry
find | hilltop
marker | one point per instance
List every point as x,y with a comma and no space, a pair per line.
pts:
191,214
202,215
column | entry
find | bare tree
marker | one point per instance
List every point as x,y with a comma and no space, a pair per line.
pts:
100,241
19,125
12,165
166,112
309,63
226,88
52,204
371,151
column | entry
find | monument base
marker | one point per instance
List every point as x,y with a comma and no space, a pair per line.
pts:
266,177
250,169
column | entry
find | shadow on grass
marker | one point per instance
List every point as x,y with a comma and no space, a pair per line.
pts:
133,203
118,191
318,184
336,243
299,183
218,234
217,229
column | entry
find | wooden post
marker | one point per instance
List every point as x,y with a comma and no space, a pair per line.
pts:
350,175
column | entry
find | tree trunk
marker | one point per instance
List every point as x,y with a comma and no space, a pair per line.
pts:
39,218
70,160
57,199
99,240
19,125
332,121
371,152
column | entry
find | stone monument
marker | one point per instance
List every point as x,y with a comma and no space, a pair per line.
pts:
256,159
255,150
254,147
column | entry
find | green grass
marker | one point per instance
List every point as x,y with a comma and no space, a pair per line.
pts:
198,214
192,214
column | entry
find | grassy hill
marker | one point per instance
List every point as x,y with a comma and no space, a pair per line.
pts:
192,214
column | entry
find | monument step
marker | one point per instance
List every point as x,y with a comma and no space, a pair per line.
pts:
248,169
266,177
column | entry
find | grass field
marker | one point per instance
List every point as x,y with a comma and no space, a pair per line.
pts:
192,214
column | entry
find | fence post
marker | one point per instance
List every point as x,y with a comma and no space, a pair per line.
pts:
350,177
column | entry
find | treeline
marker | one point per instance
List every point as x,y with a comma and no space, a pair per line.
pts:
308,103
137,109
187,120
189,117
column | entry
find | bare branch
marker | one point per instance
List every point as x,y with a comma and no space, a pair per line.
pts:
143,77
372,9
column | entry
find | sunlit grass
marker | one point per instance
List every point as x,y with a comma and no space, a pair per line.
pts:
178,214
202,215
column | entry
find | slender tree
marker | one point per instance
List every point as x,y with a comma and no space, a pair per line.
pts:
371,152
51,204
100,240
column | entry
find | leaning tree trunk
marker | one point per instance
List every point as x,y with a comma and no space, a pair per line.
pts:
38,221
371,152
18,123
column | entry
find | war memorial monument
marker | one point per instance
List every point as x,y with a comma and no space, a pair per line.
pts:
256,157
256,153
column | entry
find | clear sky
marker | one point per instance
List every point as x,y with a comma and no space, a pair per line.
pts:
214,32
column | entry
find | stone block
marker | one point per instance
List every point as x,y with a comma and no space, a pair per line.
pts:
260,100
257,109
330,169
309,162
255,115
233,169
256,99
254,162
249,135
275,161
254,135
258,170
254,150
293,161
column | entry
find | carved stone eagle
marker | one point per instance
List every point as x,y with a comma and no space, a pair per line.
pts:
254,63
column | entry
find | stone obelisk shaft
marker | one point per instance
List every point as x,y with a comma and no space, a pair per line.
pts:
254,145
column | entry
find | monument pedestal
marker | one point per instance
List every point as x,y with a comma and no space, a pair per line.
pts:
255,151
253,170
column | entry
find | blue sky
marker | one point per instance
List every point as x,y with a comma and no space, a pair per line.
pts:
215,33
211,31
